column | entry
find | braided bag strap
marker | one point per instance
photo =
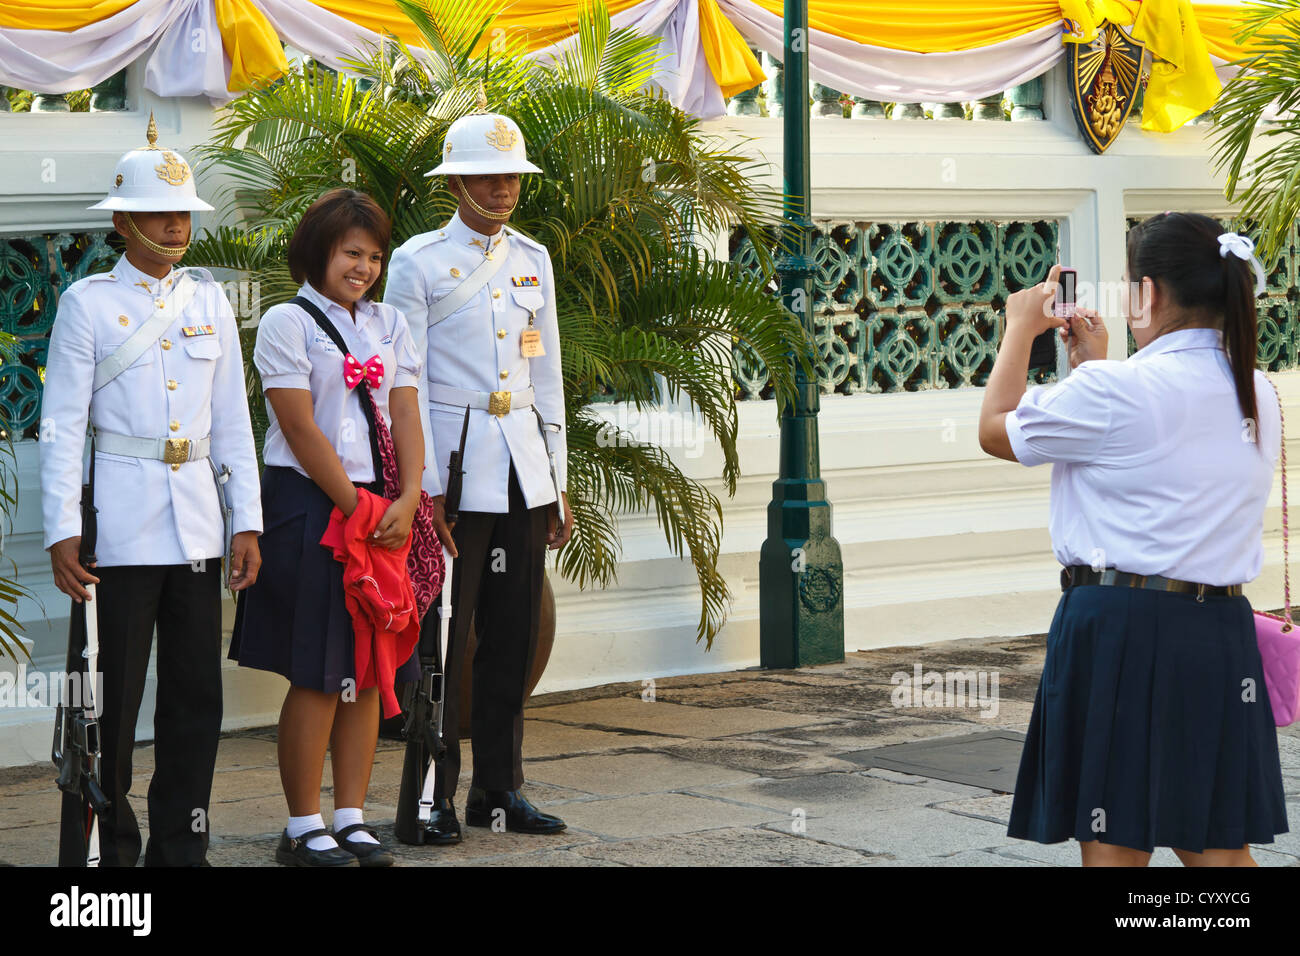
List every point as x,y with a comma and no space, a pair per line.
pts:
1286,557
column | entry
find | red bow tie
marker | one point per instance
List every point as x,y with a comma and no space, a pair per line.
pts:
354,371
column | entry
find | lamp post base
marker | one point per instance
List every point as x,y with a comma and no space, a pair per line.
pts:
801,579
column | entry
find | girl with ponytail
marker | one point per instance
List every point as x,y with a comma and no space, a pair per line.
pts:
1151,726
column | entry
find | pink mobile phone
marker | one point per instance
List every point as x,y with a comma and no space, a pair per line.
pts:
1063,308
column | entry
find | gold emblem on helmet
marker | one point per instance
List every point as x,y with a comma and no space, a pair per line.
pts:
502,136
117,182
447,149
172,170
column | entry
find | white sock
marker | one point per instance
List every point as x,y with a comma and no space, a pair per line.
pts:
346,817
300,825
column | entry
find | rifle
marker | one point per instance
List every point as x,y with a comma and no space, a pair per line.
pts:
76,749
423,730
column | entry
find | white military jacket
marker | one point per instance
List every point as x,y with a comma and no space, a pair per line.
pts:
188,384
477,347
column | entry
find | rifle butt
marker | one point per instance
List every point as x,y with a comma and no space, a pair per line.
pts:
407,828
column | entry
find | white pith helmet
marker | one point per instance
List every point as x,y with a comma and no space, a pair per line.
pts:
482,143
152,179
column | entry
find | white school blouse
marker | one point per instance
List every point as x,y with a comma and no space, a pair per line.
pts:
292,351
1155,469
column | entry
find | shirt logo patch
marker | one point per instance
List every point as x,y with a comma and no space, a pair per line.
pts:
386,340
192,330
524,281
326,343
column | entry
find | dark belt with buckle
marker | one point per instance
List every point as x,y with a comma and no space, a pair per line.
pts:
1080,574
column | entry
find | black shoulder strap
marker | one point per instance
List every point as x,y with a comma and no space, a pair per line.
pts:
367,406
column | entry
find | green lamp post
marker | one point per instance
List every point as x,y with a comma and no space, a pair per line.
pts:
800,572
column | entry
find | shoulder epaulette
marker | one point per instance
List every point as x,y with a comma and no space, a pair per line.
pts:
526,240
419,241
198,272
76,287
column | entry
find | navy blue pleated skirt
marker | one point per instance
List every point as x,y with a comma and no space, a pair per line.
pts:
294,620
1151,726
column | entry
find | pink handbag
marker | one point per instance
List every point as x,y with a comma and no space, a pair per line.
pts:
1279,640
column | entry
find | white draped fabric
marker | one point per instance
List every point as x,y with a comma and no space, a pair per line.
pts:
683,70
58,61
896,76
186,57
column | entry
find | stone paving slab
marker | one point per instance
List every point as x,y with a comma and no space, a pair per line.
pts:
36,844
238,753
652,717
920,834
967,858
848,735
549,858
759,758
739,768
629,773
828,794
546,738
16,781
995,808
659,814
726,847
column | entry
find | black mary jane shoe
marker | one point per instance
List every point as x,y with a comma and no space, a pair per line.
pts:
520,816
367,854
295,851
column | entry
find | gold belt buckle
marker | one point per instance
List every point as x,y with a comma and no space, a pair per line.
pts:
499,403
178,451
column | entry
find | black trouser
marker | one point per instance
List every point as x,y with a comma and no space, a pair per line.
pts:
497,579
185,605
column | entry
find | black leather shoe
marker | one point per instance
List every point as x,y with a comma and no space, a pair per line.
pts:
443,829
296,852
520,816
367,854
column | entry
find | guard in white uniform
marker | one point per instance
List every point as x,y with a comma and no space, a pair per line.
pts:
149,355
480,299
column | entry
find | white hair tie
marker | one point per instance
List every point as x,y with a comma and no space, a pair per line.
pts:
1241,247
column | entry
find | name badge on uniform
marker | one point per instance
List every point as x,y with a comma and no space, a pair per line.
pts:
530,343
192,330
519,281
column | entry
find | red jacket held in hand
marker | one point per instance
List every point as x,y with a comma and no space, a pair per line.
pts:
378,594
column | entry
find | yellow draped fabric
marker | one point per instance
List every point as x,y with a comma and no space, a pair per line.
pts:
57,14
541,23
926,26
730,61
251,43
1180,33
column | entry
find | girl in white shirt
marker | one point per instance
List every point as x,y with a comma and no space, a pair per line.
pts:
1151,726
318,452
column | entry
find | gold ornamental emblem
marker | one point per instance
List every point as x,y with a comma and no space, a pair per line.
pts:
502,136
446,149
172,170
117,182
1105,78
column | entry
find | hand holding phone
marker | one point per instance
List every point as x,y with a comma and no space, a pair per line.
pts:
1066,284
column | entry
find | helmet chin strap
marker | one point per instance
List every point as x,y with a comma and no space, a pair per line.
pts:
485,213
171,252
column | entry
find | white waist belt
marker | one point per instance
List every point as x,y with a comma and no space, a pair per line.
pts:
174,451
498,403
